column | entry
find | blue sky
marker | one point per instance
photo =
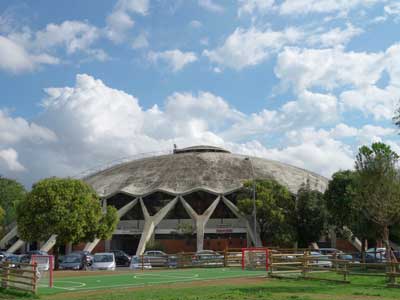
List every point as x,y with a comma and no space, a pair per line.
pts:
301,81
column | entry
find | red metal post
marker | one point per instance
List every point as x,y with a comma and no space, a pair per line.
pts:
243,252
51,266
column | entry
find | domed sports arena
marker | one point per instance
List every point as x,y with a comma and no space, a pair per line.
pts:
186,200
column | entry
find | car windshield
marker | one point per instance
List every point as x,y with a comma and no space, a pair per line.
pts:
103,258
13,258
72,259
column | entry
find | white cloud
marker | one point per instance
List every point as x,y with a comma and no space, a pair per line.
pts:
13,130
24,50
393,9
175,59
311,108
328,68
252,6
244,48
91,123
210,5
335,37
119,21
15,59
140,41
298,7
72,35
342,130
9,160
356,76
380,103
195,24
365,135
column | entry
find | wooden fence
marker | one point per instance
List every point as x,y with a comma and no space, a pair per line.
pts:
304,265
19,276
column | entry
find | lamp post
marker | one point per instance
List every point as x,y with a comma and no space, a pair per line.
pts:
254,202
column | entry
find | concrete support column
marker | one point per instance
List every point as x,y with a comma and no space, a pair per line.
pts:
121,212
239,215
49,244
17,245
150,223
201,220
9,236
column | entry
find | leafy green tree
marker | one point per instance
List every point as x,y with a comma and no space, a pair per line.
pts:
378,186
344,213
68,208
339,199
274,205
11,192
309,215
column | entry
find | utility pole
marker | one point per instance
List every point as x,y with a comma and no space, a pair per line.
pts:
254,202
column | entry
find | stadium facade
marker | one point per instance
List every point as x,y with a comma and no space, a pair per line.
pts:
186,200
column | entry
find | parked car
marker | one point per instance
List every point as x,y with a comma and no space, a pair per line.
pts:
208,258
104,261
344,256
43,265
73,262
137,263
121,258
375,255
26,258
13,260
321,260
4,255
86,254
329,251
157,258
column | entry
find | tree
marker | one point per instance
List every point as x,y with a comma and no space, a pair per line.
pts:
344,213
378,186
339,199
11,192
274,204
68,208
309,215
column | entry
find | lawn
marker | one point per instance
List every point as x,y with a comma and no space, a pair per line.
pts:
233,288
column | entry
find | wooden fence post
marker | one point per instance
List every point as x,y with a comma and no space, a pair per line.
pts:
34,278
6,274
271,265
305,264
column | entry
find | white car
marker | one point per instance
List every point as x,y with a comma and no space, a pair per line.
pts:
321,260
104,261
137,262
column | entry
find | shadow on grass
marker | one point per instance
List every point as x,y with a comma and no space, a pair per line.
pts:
10,294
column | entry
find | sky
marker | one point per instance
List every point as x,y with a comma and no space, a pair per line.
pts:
85,84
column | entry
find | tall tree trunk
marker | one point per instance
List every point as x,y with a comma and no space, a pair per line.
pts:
386,242
363,244
56,253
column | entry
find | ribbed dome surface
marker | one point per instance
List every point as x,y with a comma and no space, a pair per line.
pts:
196,168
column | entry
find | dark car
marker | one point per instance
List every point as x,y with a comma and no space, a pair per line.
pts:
86,254
4,255
26,258
121,258
12,260
73,262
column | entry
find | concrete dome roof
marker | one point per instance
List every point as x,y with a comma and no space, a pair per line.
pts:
190,169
